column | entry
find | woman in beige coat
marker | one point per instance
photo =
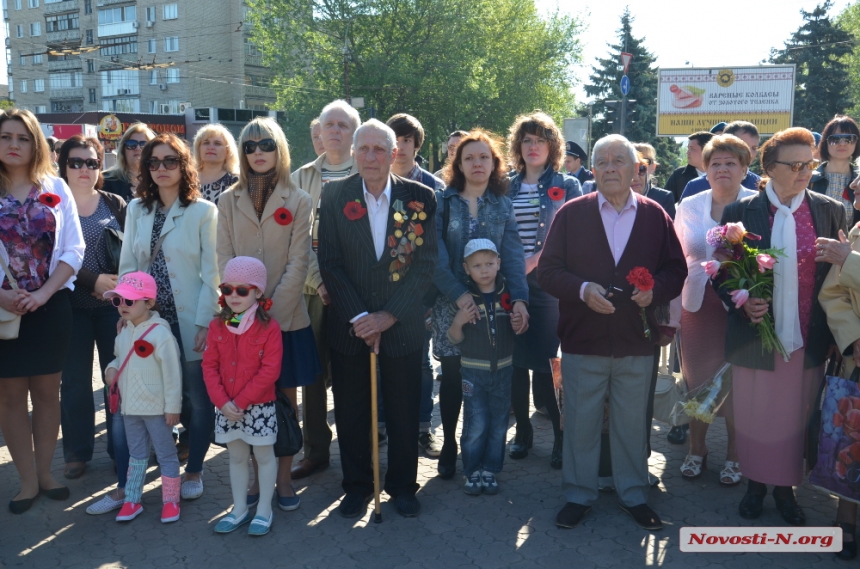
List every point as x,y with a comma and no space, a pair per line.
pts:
266,217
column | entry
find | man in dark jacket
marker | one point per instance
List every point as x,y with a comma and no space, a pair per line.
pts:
680,177
574,157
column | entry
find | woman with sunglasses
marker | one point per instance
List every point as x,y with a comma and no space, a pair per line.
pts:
216,159
773,395
170,233
838,148
267,217
122,179
93,319
537,190
41,248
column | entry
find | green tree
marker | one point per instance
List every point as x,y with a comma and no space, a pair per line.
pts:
818,49
849,20
454,64
605,84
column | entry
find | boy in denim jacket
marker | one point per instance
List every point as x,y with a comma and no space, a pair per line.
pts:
485,335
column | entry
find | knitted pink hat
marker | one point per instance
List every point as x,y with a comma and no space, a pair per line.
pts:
246,270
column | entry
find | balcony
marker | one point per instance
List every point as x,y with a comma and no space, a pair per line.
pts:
255,60
61,7
262,92
118,29
68,93
65,36
65,64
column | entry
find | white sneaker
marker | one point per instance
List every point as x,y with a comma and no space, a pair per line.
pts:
105,505
192,489
474,484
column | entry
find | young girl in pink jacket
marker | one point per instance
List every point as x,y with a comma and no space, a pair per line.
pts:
241,364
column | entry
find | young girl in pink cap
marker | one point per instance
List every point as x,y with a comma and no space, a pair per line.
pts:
150,384
241,364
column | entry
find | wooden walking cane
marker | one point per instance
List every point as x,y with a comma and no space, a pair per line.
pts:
374,430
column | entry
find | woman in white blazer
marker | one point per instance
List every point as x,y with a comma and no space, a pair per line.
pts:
42,246
168,212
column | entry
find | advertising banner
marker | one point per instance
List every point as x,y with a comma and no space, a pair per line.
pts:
694,99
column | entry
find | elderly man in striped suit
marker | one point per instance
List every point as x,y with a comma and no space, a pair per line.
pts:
377,252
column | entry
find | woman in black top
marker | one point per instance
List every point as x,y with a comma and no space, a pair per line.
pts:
122,179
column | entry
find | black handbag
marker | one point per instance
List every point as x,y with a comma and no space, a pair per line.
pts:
113,247
289,441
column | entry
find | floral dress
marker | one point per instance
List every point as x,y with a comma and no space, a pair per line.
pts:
259,426
28,232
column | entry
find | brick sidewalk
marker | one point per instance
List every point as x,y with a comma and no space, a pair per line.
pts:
514,529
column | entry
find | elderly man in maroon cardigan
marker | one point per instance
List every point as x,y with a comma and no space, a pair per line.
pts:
594,243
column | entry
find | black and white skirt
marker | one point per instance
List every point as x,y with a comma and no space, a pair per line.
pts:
259,426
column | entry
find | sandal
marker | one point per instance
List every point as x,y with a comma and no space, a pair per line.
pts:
694,466
730,475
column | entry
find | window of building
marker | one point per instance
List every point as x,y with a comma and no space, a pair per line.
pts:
174,107
118,45
153,77
40,109
35,29
92,95
91,66
11,85
19,30
37,59
126,105
67,106
33,3
117,15
171,43
38,85
89,37
66,80
88,9
151,45
120,82
250,48
22,60
150,14
23,85
258,80
17,4
171,11
62,22
173,75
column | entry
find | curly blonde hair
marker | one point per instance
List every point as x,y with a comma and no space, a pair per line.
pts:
231,161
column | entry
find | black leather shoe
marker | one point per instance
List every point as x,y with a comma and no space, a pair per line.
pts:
751,505
555,458
677,435
644,516
61,493
849,548
571,514
21,506
407,505
522,442
354,504
447,464
788,507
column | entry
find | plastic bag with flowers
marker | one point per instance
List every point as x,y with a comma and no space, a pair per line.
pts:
703,402
837,469
746,272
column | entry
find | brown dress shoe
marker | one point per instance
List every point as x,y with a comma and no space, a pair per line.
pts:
305,467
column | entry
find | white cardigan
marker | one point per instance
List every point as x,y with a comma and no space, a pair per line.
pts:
69,239
692,223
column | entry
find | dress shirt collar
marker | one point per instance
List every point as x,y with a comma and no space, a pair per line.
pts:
631,202
386,192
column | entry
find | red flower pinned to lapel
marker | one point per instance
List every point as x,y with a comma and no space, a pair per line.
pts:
283,216
49,199
505,301
555,193
143,348
846,195
354,210
266,305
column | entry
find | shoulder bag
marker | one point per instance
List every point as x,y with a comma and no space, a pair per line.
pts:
289,441
113,390
10,322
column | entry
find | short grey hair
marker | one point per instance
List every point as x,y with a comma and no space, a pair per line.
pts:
378,126
610,139
350,111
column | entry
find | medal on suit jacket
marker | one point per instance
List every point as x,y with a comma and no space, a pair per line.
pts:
406,238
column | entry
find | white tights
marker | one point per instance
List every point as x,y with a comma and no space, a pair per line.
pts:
267,473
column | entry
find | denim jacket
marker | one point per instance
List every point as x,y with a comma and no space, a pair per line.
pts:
497,223
548,208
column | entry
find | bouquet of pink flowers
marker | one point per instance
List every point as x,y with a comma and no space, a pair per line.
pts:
748,272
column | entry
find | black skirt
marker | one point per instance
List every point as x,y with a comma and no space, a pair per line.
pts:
42,342
533,349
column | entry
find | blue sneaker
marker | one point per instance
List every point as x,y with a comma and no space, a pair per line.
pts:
260,525
474,485
490,484
229,523
289,503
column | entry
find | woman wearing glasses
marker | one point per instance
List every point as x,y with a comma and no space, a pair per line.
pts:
42,247
170,233
773,395
267,217
537,190
838,147
93,319
122,179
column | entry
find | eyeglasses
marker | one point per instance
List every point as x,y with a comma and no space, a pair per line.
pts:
798,166
535,142
170,163
642,169
835,139
242,291
134,144
78,163
266,145
119,301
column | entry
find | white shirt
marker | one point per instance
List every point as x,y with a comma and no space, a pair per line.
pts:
617,225
377,215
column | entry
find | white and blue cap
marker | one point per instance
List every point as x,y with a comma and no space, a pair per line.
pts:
476,245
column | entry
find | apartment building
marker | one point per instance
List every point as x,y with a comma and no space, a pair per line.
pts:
132,56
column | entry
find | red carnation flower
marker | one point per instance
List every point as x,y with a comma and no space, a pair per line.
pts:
266,305
49,199
283,216
641,278
555,193
846,195
143,348
354,210
222,302
505,301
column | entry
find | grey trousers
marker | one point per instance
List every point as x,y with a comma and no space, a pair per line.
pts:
140,430
586,381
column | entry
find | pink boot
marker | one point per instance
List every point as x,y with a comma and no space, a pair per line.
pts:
170,497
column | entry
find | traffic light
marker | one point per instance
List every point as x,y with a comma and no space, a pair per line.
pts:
630,112
613,115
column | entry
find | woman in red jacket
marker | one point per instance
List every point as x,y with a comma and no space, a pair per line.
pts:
241,364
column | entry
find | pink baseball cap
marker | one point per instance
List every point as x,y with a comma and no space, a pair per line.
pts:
134,286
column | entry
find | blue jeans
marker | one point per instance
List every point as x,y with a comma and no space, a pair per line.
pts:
486,402
90,327
198,412
426,410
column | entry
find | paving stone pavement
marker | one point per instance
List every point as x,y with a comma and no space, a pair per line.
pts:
514,529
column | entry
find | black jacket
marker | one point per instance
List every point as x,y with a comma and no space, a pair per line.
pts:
118,185
488,345
117,206
663,197
819,183
679,179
